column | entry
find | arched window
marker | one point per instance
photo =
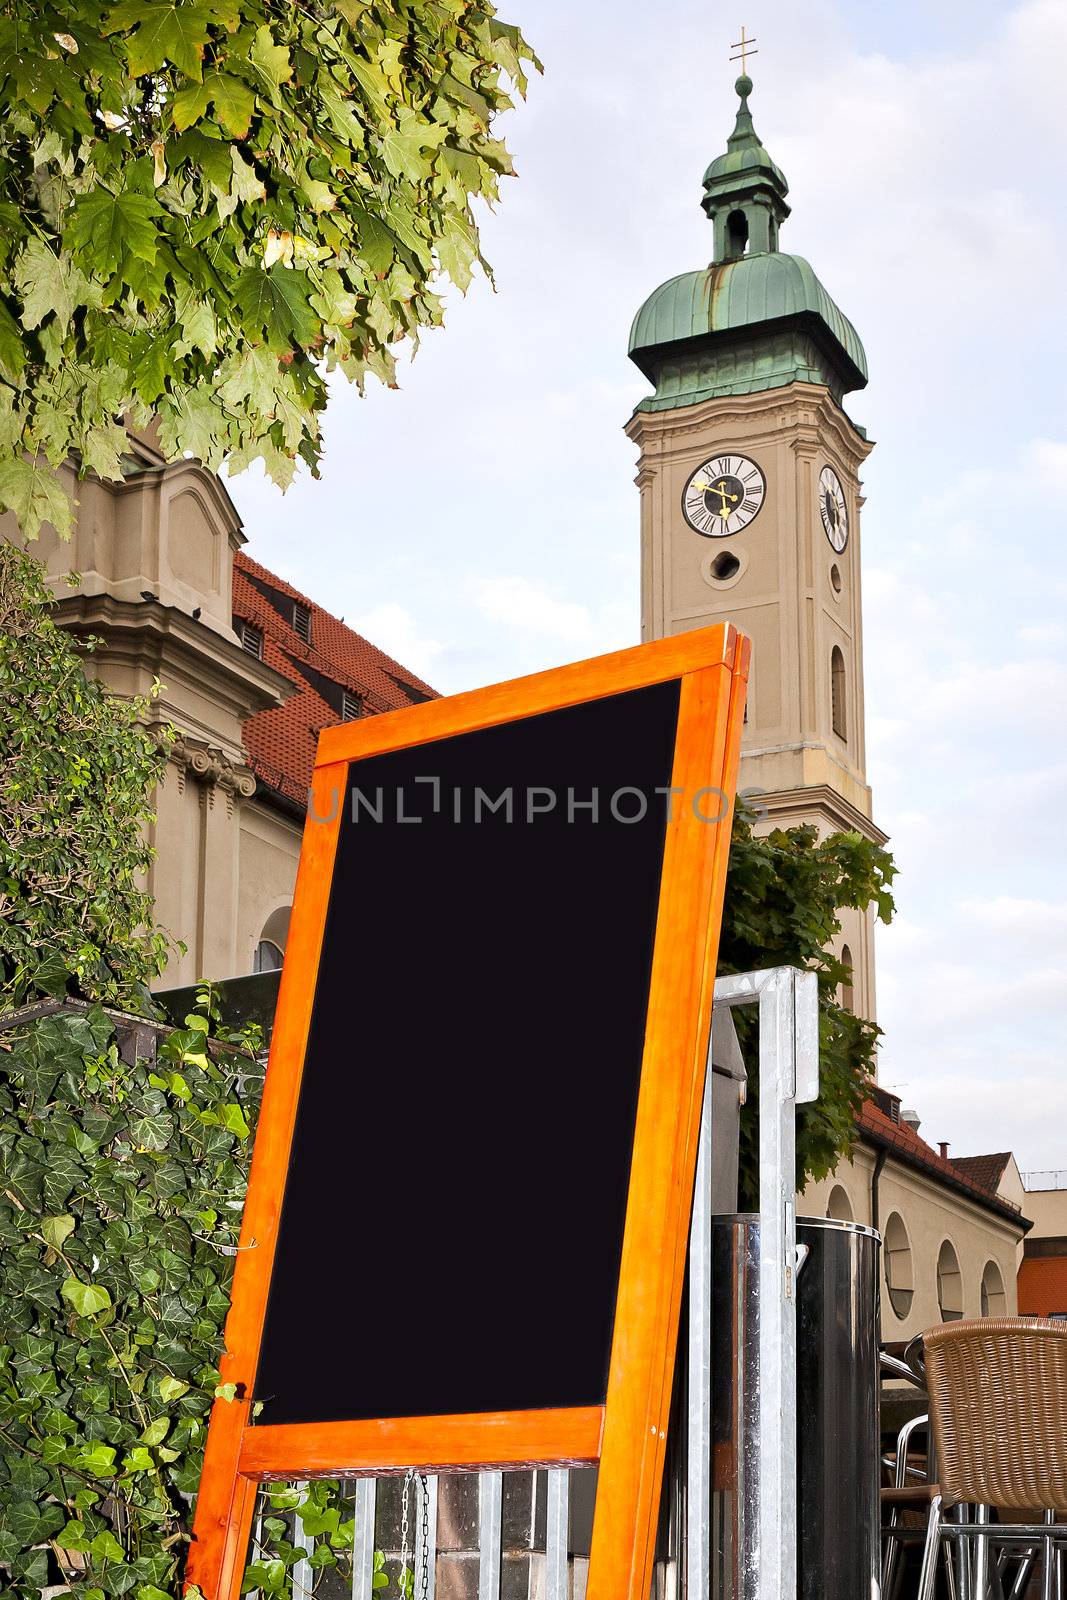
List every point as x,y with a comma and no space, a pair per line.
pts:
847,991
839,1206
838,708
994,1300
270,947
736,234
896,1253
949,1284
268,958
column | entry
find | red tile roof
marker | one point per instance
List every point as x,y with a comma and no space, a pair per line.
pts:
281,742
1043,1286
903,1142
986,1170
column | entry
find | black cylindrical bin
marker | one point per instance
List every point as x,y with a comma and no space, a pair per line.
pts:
837,1409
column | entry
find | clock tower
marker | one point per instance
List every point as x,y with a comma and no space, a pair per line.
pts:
750,500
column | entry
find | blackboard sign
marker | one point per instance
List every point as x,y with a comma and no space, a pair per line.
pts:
466,1223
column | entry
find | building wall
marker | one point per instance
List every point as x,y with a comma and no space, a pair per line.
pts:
932,1215
1047,1209
269,851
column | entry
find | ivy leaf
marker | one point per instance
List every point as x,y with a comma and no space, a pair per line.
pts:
105,227
57,1230
172,1389
156,1431
98,1459
105,1547
86,1298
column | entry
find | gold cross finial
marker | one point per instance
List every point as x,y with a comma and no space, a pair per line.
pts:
745,48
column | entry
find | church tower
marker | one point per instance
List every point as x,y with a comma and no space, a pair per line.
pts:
750,500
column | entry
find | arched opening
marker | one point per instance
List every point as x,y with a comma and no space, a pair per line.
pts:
267,957
847,991
736,234
949,1284
994,1300
270,947
838,709
896,1254
839,1206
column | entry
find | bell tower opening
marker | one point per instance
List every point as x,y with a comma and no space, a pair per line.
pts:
736,235
838,707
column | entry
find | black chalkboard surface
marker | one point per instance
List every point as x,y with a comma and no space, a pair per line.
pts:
452,1222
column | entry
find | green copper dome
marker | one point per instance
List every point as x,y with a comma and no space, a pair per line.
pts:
755,318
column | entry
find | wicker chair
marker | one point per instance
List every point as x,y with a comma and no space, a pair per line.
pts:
998,1409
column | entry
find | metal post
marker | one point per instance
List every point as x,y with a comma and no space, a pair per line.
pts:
363,1540
303,1575
788,1002
558,1529
490,1500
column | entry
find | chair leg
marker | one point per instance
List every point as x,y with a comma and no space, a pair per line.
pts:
890,1557
1048,1561
981,1557
928,1575
1022,1574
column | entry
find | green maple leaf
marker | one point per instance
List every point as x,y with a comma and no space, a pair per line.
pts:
233,100
275,302
271,61
402,147
169,30
47,284
12,349
457,251
32,491
106,227
249,380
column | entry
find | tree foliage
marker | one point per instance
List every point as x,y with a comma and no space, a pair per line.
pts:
206,206
75,769
783,892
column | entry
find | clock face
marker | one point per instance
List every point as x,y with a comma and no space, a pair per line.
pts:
723,495
832,508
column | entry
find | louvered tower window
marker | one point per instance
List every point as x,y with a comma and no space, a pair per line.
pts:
351,705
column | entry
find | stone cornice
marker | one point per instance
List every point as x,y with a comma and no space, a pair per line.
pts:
806,406
819,797
157,639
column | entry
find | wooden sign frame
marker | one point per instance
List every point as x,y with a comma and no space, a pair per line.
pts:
626,1435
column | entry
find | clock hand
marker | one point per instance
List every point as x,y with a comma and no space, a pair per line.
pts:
726,498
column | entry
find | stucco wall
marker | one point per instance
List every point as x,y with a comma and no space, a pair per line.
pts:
931,1215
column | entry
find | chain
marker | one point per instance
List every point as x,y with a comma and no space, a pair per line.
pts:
424,1593
404,1569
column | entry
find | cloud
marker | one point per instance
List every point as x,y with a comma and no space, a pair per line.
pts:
519,603
394,629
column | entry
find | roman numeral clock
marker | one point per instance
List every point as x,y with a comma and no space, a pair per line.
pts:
723,495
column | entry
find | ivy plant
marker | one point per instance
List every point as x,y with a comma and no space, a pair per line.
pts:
783,893
207,206
75,769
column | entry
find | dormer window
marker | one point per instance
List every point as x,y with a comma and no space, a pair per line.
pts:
251,639
301,622
351,705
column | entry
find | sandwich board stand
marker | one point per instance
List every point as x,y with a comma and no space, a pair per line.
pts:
490,1044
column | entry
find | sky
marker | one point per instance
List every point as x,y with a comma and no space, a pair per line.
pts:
482,521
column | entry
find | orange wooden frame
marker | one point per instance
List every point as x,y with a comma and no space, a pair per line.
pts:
626,1435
